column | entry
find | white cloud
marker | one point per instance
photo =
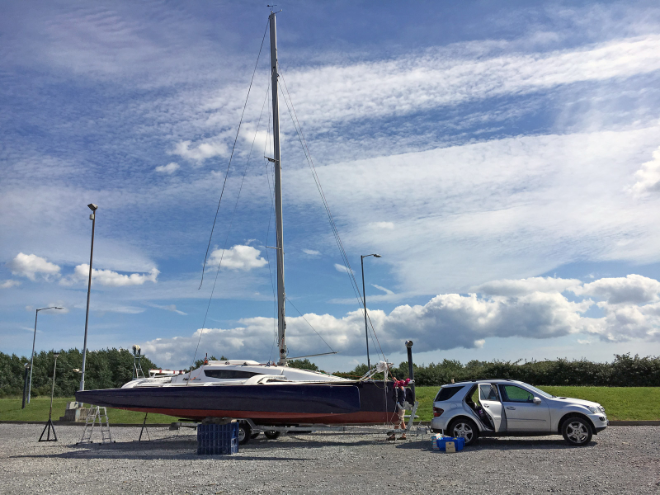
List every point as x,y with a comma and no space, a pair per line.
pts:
30,265
170,168
311,252
453,75
201,152
386,291
8,284
634,289
342,268
648,177
239,257
526,286
446,322
109,278
502,209
170,307
383,225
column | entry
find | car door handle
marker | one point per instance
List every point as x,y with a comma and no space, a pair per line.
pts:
486,405
511,408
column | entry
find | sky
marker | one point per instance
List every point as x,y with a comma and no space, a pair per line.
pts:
503,158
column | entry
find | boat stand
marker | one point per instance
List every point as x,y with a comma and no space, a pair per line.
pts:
144,428
49,426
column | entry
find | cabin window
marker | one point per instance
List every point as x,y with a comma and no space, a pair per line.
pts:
230,374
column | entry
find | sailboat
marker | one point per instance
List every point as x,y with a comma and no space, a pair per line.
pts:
266,394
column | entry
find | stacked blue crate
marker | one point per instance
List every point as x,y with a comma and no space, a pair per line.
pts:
217,439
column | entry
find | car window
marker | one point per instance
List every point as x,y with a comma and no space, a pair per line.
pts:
447,393
540,392
488,392
512,393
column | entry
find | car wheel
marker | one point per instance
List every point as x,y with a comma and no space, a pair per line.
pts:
271,435
463,427
244,433
577,431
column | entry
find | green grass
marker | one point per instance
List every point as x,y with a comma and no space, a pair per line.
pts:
620,403
630,403
10,410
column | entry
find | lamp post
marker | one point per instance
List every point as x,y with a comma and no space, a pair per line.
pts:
34,339
25,384
92,217
50,426
364,299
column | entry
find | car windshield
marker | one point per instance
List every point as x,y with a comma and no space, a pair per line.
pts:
538,391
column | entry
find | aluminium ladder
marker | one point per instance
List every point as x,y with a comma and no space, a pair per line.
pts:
95,414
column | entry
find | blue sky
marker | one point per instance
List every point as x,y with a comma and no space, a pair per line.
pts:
503,158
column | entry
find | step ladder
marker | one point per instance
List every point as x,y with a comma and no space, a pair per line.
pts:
95,414
411,428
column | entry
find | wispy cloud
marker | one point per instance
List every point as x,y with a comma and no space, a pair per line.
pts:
342,268
170,168
8,284
170,307
386,291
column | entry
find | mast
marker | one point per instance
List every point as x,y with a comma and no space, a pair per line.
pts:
281,295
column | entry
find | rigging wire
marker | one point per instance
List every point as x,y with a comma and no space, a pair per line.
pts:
335,230
310,325
224,184
231,223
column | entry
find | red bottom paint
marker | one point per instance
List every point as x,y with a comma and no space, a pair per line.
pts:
274,418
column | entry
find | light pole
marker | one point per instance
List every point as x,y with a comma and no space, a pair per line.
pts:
92,217
34,339
364,299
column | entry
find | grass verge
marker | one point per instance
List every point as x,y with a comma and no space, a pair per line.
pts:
629,403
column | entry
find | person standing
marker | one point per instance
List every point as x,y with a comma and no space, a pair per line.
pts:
400,408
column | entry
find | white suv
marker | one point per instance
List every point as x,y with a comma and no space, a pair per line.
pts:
508,407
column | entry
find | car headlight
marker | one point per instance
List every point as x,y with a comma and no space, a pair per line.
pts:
593,409
601,409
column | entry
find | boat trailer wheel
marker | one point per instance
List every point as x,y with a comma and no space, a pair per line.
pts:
271,435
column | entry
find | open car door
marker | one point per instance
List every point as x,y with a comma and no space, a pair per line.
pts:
489,398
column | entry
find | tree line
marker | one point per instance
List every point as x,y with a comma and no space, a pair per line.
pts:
623,371
106,368
111,368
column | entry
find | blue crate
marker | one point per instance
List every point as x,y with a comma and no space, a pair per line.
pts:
458,442
217,439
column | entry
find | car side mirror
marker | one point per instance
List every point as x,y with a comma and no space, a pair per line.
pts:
536,400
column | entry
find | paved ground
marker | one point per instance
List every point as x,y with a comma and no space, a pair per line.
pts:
619,460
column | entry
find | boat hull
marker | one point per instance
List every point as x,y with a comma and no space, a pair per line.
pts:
354,403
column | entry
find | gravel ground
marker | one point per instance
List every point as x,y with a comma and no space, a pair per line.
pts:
619,460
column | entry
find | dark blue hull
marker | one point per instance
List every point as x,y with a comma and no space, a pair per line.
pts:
366,402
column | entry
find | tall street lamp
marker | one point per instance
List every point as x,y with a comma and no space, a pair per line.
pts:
34,339
92,217
364,299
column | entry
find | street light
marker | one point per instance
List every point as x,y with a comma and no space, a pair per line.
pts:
92,217
34,339
364,299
